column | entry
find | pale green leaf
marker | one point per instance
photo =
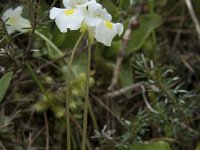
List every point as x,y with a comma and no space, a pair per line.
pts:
4,84
148,23
160,145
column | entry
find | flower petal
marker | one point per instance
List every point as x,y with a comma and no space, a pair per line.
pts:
104,34
69,3
106,16
94,9
54,12
96,14
22,23
92,21
120,28
82,3
15,21
7,14
10,29
18,10
77,3
73,20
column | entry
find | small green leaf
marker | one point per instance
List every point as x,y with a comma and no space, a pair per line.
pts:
4,84
148,23
160,145
4,121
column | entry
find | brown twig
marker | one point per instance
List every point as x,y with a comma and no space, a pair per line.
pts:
121,54
178,34
38,133
2,146
47,130
80,130
34,26
122,91
43,17
54,61
104,106
193,16
119,60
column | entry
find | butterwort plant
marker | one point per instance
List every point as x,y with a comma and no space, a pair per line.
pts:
89,17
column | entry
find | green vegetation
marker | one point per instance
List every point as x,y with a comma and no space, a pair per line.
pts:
143,90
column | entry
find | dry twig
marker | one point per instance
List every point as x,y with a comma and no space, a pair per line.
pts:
193,16
121,53
122,91
47,130
34,26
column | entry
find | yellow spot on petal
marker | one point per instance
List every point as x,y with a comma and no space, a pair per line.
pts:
69,12
11,20
109,24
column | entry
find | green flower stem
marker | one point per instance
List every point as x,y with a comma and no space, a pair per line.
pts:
151,6
57,50
49,42
68,77
68,90
85,117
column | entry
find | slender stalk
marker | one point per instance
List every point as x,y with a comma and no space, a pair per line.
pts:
68,78
57,50
85,117
68,90
47,130
49,42
193,16
34,23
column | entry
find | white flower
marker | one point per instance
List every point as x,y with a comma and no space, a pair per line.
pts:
71,18
93,18
106,31
96,14
14,20
77,3
89,16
